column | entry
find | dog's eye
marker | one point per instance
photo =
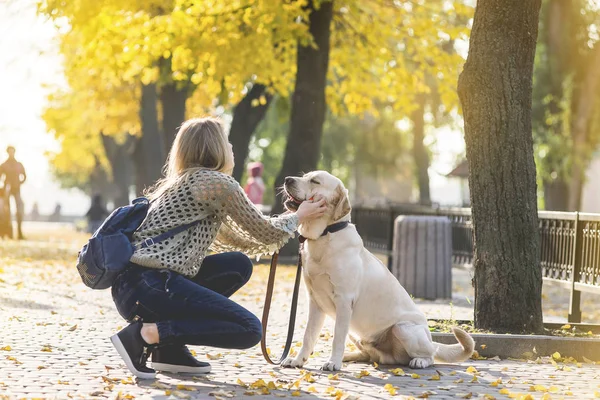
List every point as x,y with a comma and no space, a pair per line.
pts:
316,182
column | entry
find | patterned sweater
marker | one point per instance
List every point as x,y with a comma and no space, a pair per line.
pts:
228,222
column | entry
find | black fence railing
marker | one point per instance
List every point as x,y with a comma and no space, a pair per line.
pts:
569,243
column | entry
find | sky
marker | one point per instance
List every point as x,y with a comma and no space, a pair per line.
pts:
30,64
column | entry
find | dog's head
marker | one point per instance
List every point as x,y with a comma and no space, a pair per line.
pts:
318,184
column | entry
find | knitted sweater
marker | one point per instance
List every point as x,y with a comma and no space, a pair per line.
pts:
228,222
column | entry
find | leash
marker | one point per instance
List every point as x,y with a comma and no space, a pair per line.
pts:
271,283
267,307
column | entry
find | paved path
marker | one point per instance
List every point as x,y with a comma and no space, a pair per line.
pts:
54,344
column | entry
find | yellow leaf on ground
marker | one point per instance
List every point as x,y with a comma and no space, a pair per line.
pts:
556,356
6,348
187,388
336,377
546,396
415,376
435,377
312,389
459,380
71,329
397,371
296,394
362,373
390,389
472,370
504,391
567,326
483,346
241,383
214,357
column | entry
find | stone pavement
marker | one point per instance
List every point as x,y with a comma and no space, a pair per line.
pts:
54,344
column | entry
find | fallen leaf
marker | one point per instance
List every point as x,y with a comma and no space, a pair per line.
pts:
464,395
449,387
434,378
180,395
41,367
237,365
241,383
336,377
186,388
312,389
296,394
214,357
472,370
483,346
556,356
71,329
47,348
159,385
362,373
398,371
459,380
504,391
565,327
222,393
415,376
6,348
390,389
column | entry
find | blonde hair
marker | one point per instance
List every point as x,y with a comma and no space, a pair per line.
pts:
200,143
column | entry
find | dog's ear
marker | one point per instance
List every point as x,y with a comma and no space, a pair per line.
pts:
342,207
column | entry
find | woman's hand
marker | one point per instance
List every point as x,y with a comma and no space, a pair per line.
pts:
311,209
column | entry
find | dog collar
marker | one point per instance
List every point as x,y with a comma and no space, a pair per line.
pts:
338,226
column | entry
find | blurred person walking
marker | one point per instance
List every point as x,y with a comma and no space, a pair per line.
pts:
13,174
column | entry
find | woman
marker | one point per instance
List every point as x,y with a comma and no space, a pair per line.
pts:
172,293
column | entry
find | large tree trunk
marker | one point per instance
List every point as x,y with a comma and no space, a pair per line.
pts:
246,118
303,148
118,155
148,155
419,151
495,90
172,98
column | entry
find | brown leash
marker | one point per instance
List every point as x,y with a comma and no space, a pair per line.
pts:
267,307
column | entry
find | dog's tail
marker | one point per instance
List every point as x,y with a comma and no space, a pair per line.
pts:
458,352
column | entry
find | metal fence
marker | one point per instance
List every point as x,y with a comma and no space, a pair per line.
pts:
569,245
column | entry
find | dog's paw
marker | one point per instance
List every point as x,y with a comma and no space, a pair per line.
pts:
292,363
331,366
421,362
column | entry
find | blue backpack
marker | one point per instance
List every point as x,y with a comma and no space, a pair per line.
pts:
108,251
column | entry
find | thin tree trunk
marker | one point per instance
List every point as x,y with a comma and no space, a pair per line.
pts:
419,151
556,195
246,118
172,98
580,128
495,90
303,146
148,155
120,163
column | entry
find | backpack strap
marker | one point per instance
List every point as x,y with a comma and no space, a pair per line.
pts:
172,232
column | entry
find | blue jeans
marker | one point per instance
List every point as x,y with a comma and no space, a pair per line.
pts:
194,310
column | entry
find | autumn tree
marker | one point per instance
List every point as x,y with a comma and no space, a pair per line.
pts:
566,100
495,90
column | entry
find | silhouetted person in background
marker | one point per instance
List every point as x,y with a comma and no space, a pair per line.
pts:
96,214
255,187
14,176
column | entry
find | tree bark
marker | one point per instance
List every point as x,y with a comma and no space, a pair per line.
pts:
172,98
495,90
420,155
120,163
148,155
303,147
246,118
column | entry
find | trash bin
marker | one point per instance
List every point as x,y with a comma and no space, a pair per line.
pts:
422,256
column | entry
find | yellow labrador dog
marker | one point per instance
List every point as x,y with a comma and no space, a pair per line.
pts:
351,285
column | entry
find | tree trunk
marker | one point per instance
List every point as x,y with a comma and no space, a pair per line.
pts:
246,118
495,90
303,148
419,151
172,98
120,163
148,154
580,128
556,195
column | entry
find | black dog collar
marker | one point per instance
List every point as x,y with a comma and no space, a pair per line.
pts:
338,226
